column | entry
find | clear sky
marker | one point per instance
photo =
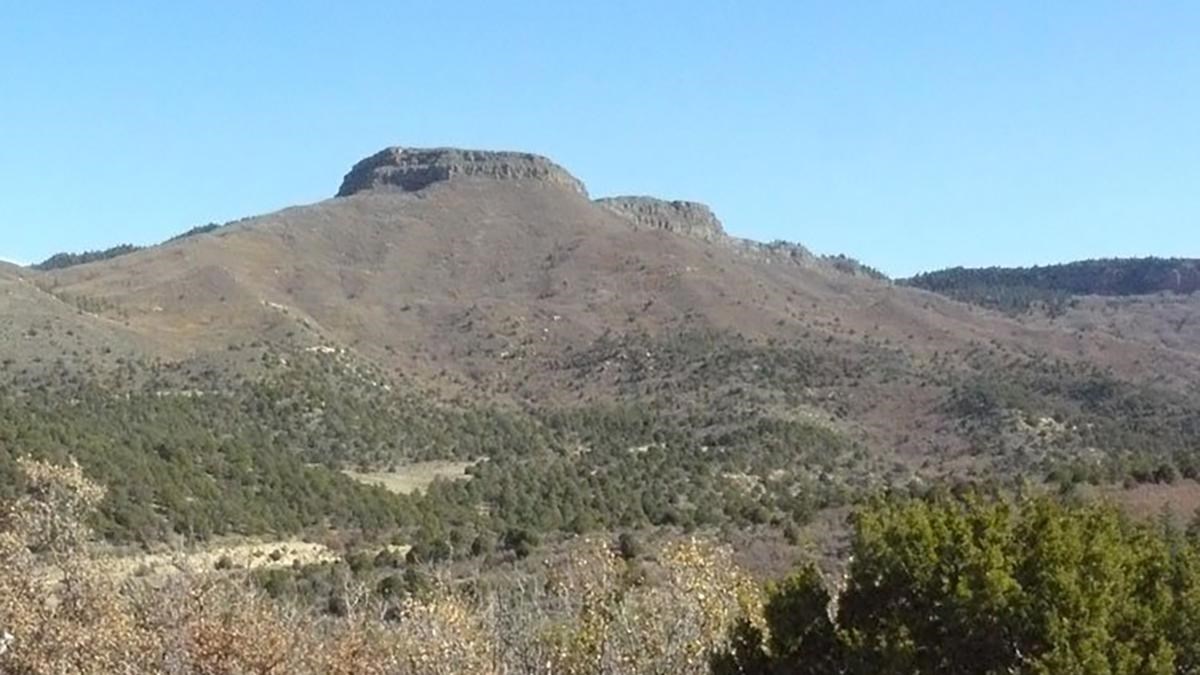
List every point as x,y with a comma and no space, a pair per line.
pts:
913,135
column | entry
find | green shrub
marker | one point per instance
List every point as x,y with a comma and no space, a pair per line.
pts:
981,586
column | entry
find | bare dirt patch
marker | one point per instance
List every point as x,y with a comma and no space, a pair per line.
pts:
1149,500
242,555
414,477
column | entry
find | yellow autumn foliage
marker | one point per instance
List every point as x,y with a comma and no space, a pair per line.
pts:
586,612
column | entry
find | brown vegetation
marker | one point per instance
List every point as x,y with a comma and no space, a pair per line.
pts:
490,290
588,611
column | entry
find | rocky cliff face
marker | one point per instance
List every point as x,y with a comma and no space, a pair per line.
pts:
411,169
687,218
692,219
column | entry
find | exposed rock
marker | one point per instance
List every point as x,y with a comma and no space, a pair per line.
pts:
687,218
411,169
692,219
775,251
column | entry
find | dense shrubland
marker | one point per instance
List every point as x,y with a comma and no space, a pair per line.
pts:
1075,423
181,465
189,452
945,583
708,438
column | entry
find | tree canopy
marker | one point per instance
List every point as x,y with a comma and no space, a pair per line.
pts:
973,585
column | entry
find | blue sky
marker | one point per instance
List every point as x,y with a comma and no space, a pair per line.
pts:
912,135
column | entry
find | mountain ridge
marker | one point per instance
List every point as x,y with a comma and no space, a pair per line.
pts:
483,251
1017,288
605,324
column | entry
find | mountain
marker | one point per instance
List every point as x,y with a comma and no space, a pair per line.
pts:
617,360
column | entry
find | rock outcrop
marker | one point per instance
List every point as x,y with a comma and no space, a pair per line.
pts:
687,218
411,169
695,220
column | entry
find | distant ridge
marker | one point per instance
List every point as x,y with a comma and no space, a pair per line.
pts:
64,260
60,261
1017,288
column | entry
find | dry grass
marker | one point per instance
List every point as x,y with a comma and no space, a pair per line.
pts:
1150,500
414,477
244,555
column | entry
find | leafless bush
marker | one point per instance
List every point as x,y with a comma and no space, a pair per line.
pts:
585,612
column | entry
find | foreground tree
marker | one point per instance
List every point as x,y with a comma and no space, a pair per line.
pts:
982,586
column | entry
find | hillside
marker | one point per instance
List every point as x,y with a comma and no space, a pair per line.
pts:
44,327
619,361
